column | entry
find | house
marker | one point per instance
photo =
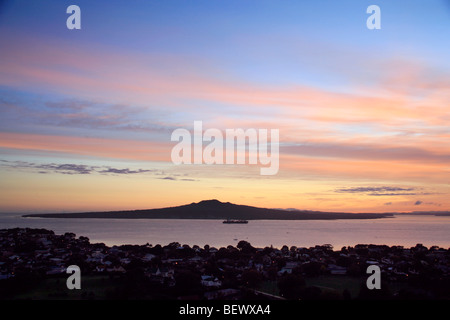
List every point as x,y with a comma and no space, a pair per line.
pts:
224,294
196,259
148,257
210,281
290,265
116,269
100,268
163,272
45,242
336,270
56,270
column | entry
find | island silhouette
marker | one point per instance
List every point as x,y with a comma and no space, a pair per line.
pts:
215,209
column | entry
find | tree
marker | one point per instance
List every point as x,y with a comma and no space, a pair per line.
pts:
251,278
375,294
241,244
272,273
187,282
291,286
245,247
312,293
346,294
312,268
157,250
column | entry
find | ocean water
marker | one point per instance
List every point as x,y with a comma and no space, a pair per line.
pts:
399,230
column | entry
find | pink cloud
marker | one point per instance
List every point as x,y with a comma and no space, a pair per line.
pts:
109,148
407,130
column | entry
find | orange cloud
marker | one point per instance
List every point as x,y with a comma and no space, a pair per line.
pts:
110,148
405,133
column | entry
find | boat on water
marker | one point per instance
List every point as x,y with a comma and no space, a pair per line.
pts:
235,221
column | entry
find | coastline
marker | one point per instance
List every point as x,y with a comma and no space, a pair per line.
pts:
125,215
399,230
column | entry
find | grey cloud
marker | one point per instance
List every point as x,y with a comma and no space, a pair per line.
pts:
124,171
385,191
395,194
68,168
168,178
373,189
433,204
377,191
171,178
418,202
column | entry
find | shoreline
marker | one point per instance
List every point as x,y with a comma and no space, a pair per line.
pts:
235,242
126,216
399,230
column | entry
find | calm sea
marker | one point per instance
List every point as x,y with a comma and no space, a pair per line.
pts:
400,230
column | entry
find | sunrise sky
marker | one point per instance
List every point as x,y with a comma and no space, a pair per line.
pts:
86,115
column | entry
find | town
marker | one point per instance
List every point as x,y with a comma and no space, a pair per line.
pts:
33,265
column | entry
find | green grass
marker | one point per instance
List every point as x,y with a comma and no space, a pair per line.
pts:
56,289
270,287
337,282
334,284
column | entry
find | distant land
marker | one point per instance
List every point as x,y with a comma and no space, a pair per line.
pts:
425,213
214,209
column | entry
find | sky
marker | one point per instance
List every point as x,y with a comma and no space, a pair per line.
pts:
86,116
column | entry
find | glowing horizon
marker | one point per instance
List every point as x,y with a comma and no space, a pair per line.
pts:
87,115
